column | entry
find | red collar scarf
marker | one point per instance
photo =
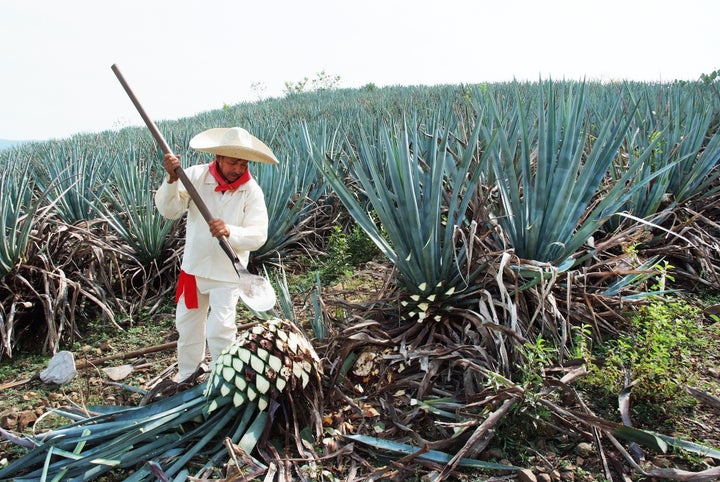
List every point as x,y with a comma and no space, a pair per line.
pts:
223,185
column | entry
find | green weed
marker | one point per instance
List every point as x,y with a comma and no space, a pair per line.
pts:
345,251
655,355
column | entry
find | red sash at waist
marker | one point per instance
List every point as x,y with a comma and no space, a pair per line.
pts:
188,286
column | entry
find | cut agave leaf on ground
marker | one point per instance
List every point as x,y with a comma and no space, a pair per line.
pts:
431,455
661,442
692,447
642,437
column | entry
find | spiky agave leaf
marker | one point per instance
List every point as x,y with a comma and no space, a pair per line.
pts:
263,362
266,361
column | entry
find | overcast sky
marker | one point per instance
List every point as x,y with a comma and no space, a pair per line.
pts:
183,57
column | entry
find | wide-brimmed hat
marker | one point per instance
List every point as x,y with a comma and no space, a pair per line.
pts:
233,142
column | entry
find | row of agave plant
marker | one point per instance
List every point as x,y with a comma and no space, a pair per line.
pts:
507,212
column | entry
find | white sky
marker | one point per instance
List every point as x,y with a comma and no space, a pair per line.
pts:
183,57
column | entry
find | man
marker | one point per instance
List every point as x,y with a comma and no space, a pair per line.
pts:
208,280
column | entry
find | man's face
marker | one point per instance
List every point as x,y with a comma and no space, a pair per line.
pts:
231,168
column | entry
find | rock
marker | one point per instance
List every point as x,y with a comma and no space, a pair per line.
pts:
584,449
544,478
118,373
662,462
8,419
60,370
491,454
106,346
17,420
526,475
567,477
25,419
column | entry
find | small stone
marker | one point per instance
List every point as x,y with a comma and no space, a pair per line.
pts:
25,419
119,372
106,346
567,476
584,449
494,453
8,419
544,478
60,370
17,420
662,462
526,475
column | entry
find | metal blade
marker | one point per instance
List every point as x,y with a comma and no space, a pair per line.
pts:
255,291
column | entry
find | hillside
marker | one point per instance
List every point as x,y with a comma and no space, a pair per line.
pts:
5,143
508,276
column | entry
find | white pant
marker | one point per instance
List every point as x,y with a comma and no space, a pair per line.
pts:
193,325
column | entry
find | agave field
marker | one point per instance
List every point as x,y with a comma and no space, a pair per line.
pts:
533,249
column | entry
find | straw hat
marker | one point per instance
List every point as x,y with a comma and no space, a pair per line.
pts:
233,142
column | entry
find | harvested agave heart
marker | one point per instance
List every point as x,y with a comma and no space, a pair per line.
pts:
261,364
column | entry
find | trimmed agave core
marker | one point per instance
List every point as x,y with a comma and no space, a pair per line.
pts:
264,361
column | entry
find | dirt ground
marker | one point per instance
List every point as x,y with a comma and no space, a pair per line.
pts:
110,377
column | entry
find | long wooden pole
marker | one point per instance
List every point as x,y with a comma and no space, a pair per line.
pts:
255,290
124,356
179,172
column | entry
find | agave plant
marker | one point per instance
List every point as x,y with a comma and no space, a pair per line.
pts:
292,190
270,364
549,160
18,206
418,185
74,175
675,136
128,206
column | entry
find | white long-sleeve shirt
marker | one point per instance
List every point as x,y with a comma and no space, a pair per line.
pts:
243,210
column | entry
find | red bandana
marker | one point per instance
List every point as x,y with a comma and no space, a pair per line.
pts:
223,184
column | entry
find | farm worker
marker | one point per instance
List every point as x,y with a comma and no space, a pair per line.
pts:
208,285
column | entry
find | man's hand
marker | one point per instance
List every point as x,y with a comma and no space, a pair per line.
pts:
170,163
218,228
